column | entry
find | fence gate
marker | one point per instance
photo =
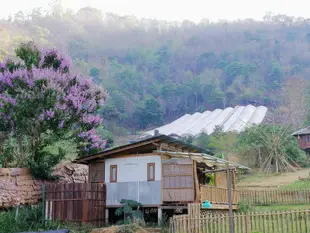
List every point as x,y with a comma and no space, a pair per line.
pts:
84,202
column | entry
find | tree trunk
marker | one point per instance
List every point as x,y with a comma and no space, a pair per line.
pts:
260,157
3,136
21,150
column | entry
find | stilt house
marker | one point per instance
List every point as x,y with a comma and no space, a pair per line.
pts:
159,172
303,136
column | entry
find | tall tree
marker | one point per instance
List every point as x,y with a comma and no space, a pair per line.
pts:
42,102
149,112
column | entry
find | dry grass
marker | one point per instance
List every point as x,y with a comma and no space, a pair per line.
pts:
273,180
120,229
112,229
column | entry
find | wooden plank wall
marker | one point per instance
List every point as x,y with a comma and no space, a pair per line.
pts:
96,172
220,179
178,181
84,203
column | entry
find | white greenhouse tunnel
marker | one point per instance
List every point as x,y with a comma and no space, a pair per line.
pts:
231,119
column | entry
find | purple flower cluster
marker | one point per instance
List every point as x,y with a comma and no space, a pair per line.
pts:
41,117
94,140
66,98
61,124
66,62
47,115
7,99
11,79
91,119
52,54
2,65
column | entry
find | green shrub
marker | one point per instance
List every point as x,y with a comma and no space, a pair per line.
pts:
30,219
131,211
244,207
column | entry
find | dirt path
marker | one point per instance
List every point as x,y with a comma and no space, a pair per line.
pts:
262,180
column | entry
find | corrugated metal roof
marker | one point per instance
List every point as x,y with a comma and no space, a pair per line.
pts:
231,119
204,158
137,144
302,131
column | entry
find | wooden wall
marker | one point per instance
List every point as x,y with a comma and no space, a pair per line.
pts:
304,142
221,179
97,172
178,180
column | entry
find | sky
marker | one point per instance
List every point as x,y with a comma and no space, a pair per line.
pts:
173,10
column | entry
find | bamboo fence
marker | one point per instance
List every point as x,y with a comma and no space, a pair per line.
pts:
218,195
255,197
297,221
274,196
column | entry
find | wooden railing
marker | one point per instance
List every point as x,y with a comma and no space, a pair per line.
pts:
297,221
256,197
217,195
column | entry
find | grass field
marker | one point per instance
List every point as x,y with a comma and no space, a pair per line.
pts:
280,207
298,184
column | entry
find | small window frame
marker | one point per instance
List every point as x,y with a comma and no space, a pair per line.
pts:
111,174
149,177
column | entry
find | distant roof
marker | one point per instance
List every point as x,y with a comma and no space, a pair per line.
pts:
145,145
303,131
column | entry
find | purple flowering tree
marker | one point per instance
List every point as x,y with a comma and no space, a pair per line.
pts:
43,101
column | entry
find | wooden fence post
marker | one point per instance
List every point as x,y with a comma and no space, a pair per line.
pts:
248,223
43,203
85,211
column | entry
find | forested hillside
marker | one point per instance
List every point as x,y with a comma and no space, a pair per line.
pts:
155,71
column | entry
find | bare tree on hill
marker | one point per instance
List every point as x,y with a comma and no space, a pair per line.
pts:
295,99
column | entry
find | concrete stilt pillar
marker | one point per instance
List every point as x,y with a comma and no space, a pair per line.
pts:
159,216
106,216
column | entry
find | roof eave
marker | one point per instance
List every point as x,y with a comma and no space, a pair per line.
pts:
205,158
102,154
